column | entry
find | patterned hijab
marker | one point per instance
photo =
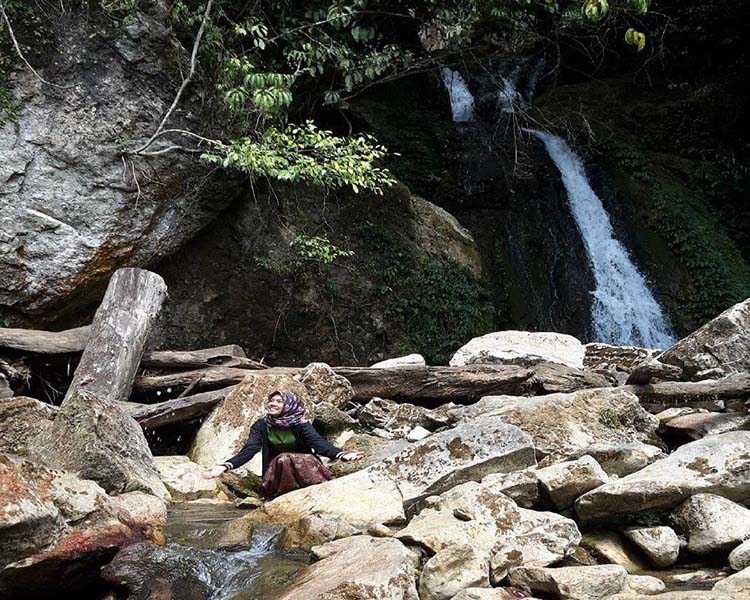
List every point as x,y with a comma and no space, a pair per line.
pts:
294,412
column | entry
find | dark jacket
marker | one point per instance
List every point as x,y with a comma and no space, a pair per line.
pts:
308,441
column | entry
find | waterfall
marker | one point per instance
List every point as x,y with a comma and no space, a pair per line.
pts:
624,311
462,102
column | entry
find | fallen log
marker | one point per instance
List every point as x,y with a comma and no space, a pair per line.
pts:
152,416
692,393
223,356
70,341
424,384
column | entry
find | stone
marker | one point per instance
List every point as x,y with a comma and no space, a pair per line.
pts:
417,434
739,584
677,411
330,420
653,371
21,420
359,567
572,583
396,417
467,452
698,425
485,594
739,558
234,535
53,523
609,547
452,570
660,544
227,428
645,584
712,523
543,538
314,530
374,449
614,459
622,357
70,218
184,478
717,464
410,360
361,499
521,348
323,385
681,595
521,486
562,423
562,483
722,343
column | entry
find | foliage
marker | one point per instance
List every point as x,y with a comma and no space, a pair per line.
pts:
317,249
306,153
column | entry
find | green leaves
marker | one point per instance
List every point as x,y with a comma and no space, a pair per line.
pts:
640,6
635,38
595,10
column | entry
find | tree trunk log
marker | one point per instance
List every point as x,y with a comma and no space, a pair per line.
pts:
223,356
119,333
45,342
179,409
679,393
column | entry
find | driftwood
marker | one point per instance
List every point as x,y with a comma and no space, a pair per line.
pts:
177,410
119,332
70,341
438,384
223,356
682,393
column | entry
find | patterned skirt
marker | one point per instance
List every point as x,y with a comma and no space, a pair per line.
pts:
290,471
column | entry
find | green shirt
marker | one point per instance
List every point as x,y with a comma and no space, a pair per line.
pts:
281,440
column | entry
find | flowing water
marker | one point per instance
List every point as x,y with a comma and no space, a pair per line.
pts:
625,311
462,102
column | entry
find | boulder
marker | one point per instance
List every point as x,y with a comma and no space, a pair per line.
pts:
609,547
718,464
739,558
330,420
314,530
409,360
397,417
698,425
361,499
624,358
184,479
520,486
723,343
467,452
452,570
417,434
614,459
659,544
681,595
562,423
323,385
359,567
523,348
226,429
646,585
562,483
653,371
374,449
55,525
485,594
21,420
572,583
542,538
737,584
712,523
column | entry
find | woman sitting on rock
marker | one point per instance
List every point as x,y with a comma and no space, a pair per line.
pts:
290,448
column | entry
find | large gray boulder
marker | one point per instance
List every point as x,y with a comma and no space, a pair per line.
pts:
712,523
452,570
572,583
659,544
74,207
718,464
723,344
524,348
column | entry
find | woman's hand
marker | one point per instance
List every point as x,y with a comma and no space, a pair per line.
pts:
350,456
214,471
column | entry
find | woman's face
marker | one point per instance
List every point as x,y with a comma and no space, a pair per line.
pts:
275,405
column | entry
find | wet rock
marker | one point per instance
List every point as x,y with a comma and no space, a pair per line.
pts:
698,425
520,486
410,360
659,544
467,452
572,583
361,499
359,567
722,343
560,424
562,483
184,478
739,558
234,535
21,420
614,459
738,584
521,348
227,428
609,547
330,420
315,530
718,464
712,523
452,570
323,385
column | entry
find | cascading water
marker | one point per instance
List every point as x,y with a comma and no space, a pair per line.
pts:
462,102
624,310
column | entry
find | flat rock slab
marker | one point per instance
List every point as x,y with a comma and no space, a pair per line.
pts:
718,464
524,348
359,567
184,479
609,547
572,583
699,425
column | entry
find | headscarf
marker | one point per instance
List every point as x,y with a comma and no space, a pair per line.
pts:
294,412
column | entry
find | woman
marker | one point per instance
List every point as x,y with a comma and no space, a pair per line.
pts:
290,448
